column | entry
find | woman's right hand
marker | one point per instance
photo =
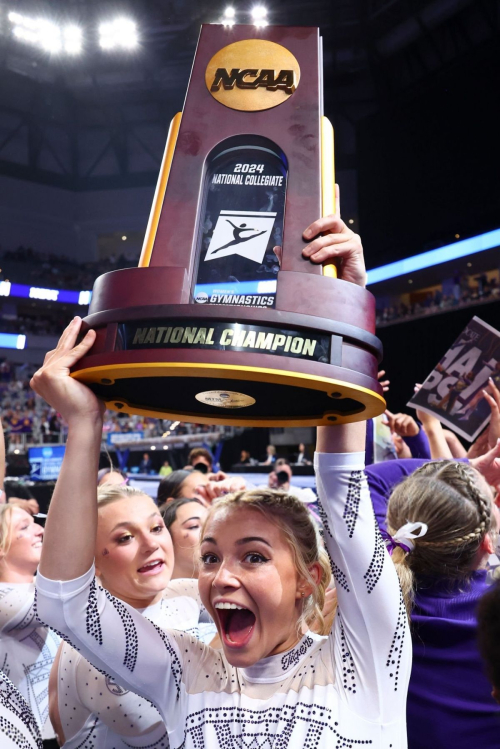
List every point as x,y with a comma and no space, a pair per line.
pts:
71,398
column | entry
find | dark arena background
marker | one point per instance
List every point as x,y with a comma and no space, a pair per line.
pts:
88,91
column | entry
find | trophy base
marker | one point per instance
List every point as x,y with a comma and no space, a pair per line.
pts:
229,395
233,365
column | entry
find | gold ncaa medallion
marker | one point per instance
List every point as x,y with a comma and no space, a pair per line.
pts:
252,75
225,399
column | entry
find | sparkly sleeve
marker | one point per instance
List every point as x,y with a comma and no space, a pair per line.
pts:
116,639
18,727
17,611
122,711
370,638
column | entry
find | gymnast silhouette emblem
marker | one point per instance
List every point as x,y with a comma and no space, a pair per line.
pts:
244,233
237,238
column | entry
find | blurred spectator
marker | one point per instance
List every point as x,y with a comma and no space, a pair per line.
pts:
166,469
271,456
146,464
280,478
302,458
200,459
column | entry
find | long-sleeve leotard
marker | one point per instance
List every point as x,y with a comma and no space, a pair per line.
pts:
27,649
344,690
18,727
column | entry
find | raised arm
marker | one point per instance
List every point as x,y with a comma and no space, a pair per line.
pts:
372,649
70,530
113,637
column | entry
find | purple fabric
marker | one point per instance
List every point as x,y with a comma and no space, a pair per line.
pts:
369,443
449,699
419,445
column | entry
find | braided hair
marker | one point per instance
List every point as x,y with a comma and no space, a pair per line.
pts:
446,495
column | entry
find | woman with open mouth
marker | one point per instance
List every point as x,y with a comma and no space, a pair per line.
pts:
134,561
262,575
27,648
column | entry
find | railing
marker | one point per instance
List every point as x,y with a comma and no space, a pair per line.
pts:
19,442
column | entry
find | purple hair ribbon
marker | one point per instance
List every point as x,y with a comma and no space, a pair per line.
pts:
404,536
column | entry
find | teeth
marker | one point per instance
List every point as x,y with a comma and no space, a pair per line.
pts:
151,564
228,606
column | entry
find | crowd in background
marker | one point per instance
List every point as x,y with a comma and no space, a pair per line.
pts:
29,266
461,291
25,413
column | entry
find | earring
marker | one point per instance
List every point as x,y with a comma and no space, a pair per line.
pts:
302,594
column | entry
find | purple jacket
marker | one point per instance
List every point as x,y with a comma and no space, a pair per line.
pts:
449,698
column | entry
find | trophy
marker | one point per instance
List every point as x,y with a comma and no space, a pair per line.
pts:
224,321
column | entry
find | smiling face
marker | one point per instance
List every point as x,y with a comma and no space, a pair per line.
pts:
23,555
185,532
134,554
249,584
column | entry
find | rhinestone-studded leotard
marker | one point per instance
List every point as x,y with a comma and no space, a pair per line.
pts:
347,690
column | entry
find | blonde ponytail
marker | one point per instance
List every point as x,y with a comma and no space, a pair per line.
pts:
448,497
406,580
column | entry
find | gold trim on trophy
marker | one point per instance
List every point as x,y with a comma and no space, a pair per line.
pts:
327,180
161,186
372,401
252,75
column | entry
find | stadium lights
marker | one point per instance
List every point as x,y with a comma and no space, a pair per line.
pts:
84,297
12,340
259,14
46,35
229,15
119,33
464,247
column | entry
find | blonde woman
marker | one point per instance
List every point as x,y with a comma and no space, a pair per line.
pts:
27,648
134,560
263,574
444,572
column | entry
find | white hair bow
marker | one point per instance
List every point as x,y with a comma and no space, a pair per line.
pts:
405,535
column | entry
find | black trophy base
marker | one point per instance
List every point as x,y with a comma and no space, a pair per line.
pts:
230,394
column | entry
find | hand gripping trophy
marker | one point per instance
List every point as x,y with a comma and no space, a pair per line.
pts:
224,321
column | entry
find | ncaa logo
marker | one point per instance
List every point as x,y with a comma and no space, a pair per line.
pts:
201,297
252,75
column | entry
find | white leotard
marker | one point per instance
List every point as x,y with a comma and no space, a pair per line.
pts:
18,727
344,690
94,710
27,650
